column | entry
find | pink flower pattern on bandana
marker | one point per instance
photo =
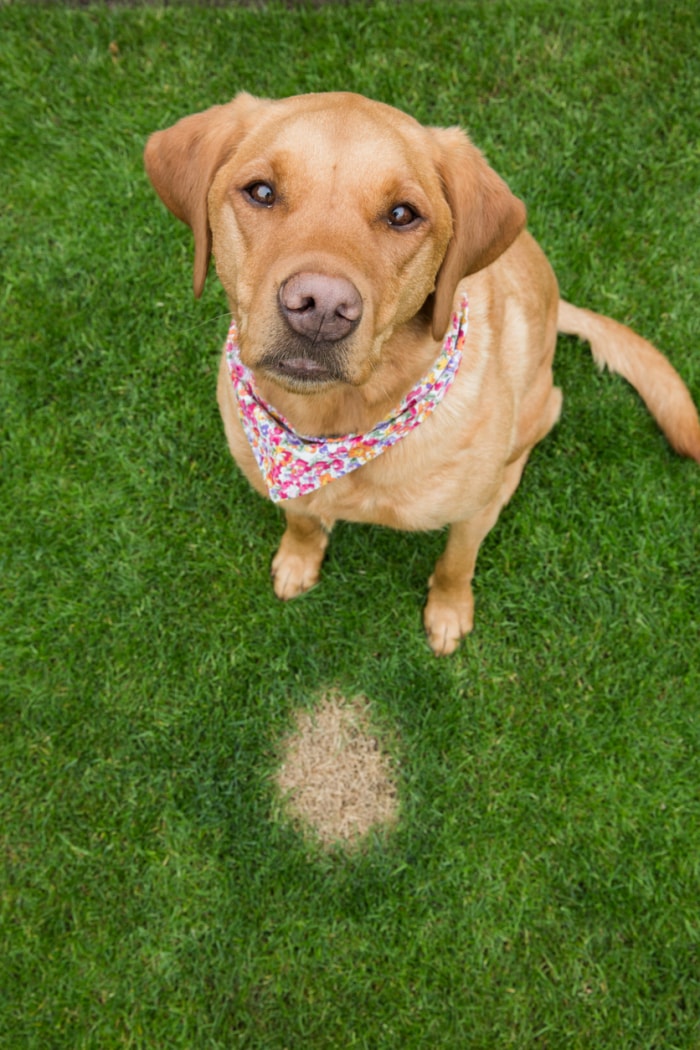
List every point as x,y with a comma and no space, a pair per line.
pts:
294,465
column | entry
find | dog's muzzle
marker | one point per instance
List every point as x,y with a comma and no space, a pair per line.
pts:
319,313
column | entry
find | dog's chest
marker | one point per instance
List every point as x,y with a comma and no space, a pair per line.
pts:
409,488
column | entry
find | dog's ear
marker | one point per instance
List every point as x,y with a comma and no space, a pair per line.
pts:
182,160
486,217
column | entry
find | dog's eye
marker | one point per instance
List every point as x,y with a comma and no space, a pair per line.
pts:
260,193
403,215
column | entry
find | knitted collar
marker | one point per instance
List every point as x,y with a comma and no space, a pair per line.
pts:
294,465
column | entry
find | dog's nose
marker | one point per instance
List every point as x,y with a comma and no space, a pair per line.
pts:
322,308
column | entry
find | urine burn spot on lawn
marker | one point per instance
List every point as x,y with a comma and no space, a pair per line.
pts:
334,777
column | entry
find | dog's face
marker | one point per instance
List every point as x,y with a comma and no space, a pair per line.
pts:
333,220
329,225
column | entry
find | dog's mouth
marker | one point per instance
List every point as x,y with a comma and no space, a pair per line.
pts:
294,367
302,370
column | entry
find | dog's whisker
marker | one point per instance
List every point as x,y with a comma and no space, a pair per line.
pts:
208,321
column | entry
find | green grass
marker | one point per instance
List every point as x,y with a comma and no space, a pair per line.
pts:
541,888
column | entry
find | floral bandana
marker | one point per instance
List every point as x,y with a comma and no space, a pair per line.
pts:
293,465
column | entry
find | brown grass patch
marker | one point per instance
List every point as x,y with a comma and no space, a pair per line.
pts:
334,777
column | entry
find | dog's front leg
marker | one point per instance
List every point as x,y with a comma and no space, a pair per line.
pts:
449,612
297,564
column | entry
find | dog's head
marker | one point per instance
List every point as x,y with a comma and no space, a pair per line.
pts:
333,220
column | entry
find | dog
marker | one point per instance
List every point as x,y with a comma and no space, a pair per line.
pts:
393,326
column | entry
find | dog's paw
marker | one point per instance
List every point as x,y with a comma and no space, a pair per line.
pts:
293,574
297,565
447,622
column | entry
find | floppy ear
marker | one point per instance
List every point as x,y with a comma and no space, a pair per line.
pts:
486,217
182,161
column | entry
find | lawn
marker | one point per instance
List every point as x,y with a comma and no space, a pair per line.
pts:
540,886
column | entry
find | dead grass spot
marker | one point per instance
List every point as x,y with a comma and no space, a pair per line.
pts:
334,777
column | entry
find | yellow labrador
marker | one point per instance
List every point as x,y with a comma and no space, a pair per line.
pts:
390,357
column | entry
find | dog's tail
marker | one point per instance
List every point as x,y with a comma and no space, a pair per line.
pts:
653,377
